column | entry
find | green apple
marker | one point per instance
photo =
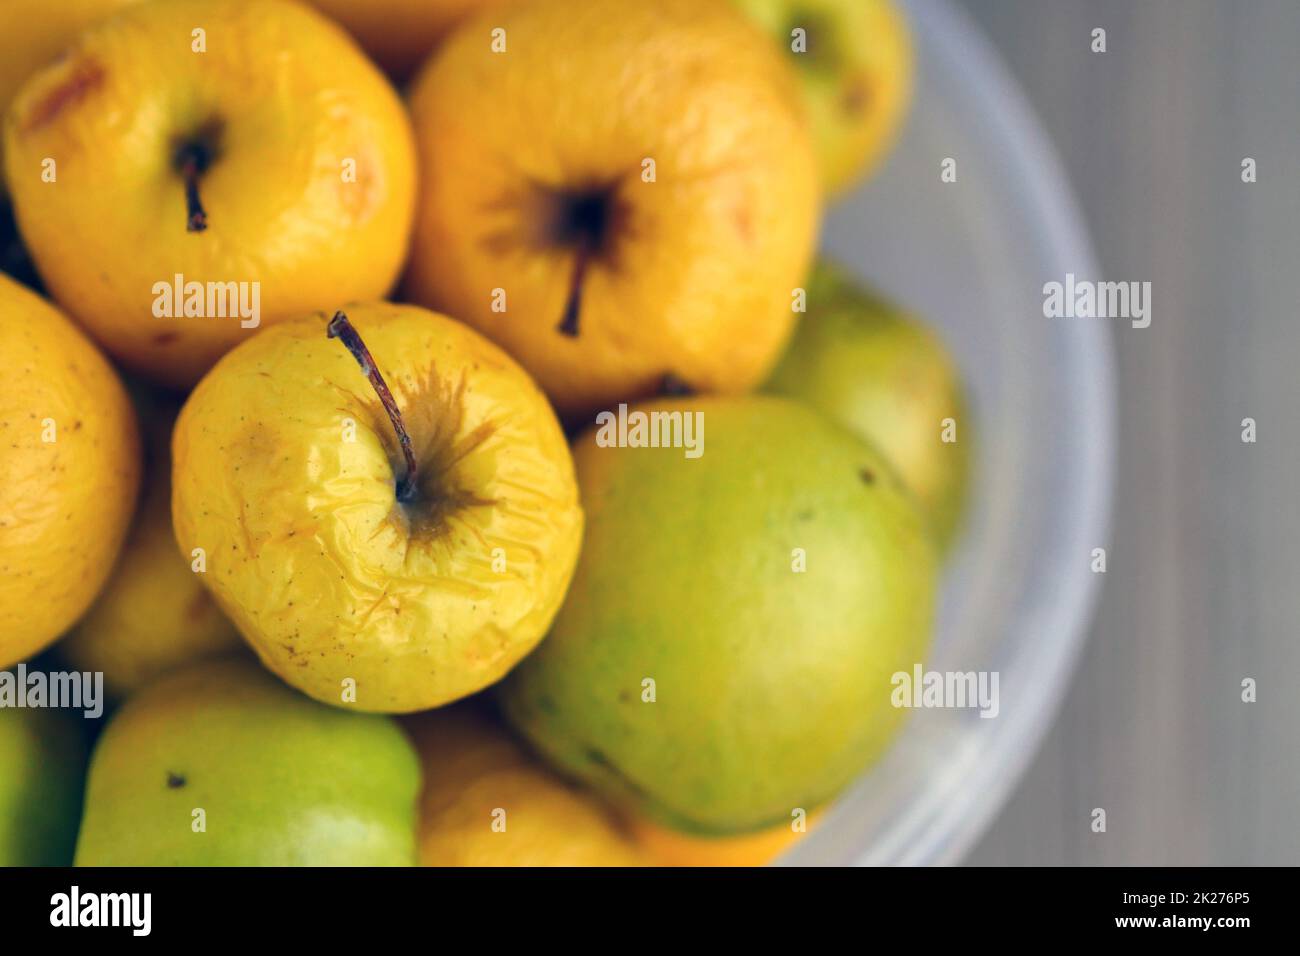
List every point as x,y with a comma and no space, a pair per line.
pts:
854,59
220,764
739,608
888,378
42,766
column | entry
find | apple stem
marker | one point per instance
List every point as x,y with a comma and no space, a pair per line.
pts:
573,306
340,328
191,168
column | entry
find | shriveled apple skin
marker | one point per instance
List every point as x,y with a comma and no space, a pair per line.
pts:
325,574
856,75
772,686
281,780
878,371
42,769
476,776
695,273
35,32
154,614
286,98
66,503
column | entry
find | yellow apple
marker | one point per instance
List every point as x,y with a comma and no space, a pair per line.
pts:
34,32
387,553
154,614
191,171
399,34
486,802
69,467
616,193
667,846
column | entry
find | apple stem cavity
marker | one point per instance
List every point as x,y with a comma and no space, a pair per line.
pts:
340,328
192,163
675,386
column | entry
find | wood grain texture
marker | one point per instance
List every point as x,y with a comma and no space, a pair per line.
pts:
1203,586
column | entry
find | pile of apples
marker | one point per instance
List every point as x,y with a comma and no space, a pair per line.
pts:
514,404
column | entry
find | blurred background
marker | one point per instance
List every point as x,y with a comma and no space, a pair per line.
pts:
1204,559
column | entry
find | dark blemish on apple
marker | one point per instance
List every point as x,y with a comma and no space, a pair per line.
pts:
547,706
82,79
856,97
675,387
867,475
805,515
174,781
165,338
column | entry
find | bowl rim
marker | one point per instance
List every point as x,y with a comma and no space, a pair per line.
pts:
943,827
955,825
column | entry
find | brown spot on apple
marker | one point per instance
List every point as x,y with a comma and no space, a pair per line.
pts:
856,96
80,78
743,217
359,191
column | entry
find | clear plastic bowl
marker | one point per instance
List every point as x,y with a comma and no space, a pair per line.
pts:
972,257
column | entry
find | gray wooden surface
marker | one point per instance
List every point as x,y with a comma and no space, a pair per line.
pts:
1203,586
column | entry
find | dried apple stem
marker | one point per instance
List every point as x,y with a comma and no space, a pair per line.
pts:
573,305
191,168
340,328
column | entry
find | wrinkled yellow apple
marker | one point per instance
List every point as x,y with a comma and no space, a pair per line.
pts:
616,193
399,34
244,154
486,802
154,614
33,33
287,472
69,470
